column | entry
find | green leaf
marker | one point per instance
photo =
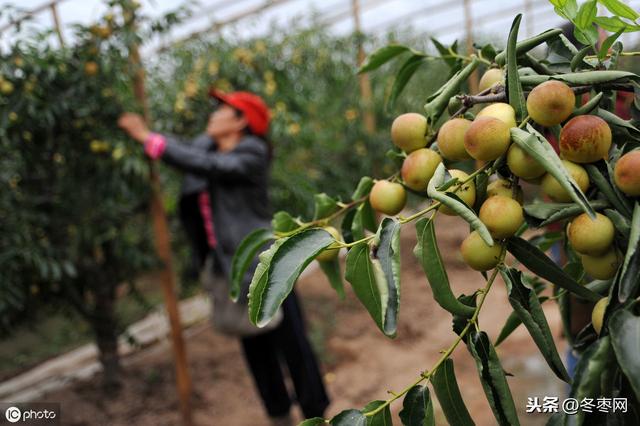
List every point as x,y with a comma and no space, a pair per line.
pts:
382,56
618,125
582,78
278,270
456,205
586,13
624,329
621,223
515,93
367,280
345,226
598,175
332,270
606,45
446,388
428,254
493,379
586,381
588,107
243,256
629,275
315,421
283,222
620,9
614,24
349,418
446,54
388,254
364,218
437,103
528,44
363,188
417,408
404,76
534,144
587,35
381,418
526,305
541,214
578,59
538,263
324,206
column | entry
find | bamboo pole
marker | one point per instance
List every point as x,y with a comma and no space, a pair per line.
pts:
29,14
56,23
163,248
468,25
365,83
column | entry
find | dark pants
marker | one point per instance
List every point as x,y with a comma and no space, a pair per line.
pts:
286,344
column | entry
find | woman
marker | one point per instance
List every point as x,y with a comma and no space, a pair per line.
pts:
224,198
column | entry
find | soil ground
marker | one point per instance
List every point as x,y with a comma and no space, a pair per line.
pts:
359,363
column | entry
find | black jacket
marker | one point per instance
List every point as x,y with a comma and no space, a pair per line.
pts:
238,187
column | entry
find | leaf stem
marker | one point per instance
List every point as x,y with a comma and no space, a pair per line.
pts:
472,321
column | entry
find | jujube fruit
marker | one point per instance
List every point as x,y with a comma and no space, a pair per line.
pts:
502,216
505,188
388,197
591,236
408,131
478,255
585,139
466,192
487,138
553,189
522,164
601,267
627,173
418,168
501,111
331,252
597,315
451,139
490,78
550,103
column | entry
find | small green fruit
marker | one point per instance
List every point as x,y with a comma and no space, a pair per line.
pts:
602,267
550,103
408,131
592,237
522,164
552,188
466,193
388,197
478,255
451,139
331,252
418,168
597,315
487,138
502,216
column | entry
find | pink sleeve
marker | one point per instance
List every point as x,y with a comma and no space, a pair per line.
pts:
154,145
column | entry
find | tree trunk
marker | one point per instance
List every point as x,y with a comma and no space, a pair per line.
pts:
106,330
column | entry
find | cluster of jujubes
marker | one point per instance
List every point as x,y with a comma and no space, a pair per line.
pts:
583,139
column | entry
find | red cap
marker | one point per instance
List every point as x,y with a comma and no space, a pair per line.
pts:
252,106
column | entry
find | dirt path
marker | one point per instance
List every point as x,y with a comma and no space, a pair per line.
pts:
360,364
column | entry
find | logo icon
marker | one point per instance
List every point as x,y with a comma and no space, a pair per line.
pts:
13,414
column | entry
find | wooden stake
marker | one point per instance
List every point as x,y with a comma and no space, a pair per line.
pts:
56,23
365,84
473,78
163,248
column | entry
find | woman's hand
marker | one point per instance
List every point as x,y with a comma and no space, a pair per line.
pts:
134,125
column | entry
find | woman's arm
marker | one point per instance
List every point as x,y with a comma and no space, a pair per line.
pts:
244,162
